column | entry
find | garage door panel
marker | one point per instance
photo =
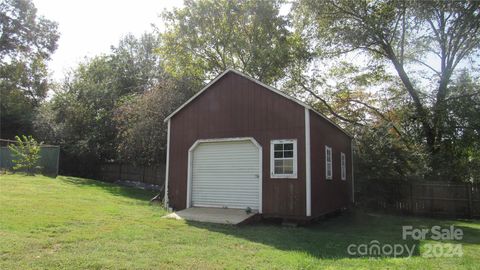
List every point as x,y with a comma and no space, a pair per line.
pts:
222,193
216,188
226,174
226,200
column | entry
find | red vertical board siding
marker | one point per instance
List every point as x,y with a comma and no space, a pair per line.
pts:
328,195
237,107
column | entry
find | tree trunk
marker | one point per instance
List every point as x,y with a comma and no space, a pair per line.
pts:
428,130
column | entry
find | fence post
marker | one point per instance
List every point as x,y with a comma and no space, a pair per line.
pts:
469,194
411,198
119,171
58,161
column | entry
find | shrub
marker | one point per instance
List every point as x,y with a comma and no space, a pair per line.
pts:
26,154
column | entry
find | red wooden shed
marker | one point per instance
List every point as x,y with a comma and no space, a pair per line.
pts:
239,143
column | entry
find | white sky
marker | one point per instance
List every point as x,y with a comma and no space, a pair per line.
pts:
89,27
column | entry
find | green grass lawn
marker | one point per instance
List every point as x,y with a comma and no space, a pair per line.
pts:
76,223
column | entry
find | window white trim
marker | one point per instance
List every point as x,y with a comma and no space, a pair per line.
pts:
272,159
343,166
328,164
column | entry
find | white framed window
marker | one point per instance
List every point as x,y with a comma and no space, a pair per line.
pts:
328,163
283,158
343,166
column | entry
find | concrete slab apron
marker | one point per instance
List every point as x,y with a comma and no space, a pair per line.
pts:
212,215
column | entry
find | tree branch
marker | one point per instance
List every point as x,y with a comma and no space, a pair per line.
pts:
427,129
325,103
377,112
426,65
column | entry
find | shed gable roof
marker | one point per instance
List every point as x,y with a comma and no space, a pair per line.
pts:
301,103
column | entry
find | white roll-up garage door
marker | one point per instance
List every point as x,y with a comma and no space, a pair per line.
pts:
226,174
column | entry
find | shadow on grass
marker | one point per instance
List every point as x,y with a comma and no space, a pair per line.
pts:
331,239
26,175
130,192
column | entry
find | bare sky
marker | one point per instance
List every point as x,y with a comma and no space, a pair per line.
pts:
89,27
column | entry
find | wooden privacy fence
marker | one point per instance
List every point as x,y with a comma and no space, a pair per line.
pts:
434,199
112,172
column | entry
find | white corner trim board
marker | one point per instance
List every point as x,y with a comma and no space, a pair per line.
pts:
351,165
167,166
308,177
190,172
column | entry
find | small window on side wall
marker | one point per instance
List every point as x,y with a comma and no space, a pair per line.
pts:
343,166
328,163
283,159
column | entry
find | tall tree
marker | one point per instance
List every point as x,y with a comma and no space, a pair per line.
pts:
206,37
424,43
141,132
136,64
81,114
459,154
26,44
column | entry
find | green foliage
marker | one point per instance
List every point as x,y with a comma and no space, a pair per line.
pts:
136,66
27,154
141,132
381,156
82,110
26,43
459,154
206,37
23,32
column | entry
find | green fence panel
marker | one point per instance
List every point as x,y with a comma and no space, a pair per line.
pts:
49,158
5,158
